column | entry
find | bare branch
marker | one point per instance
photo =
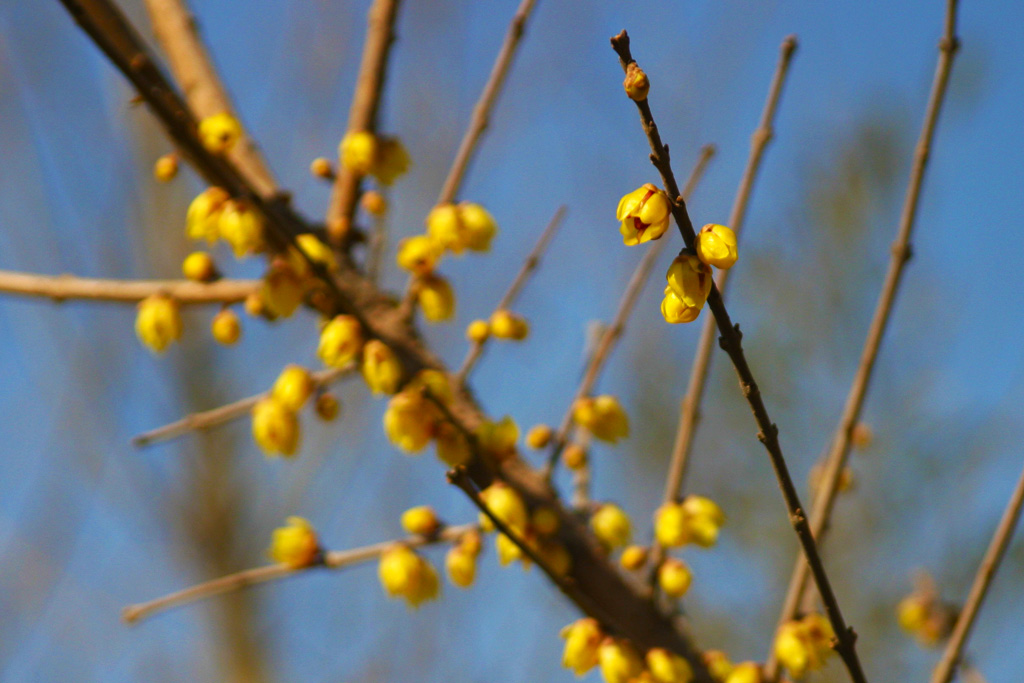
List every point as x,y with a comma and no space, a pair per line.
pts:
63,287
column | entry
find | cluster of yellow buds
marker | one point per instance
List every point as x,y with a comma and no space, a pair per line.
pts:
405,574
460,562
505,324
385,158
803,645
275,421
695,520
418,254
586,646
219,132
158,322
457,227
923,615
295,544
412,418
536,530
611,525
213,215
689,283
643,215
602,416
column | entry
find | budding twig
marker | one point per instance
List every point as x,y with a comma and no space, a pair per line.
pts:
333,559
476,348
835,460
63,287
730,341
614,331
225,413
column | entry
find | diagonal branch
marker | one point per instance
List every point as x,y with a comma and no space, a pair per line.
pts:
835,460
63,287
730,341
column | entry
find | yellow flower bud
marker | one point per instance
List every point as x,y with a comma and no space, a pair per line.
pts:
255,308
716,246
745,672
478,226
792,650
674,577
619,662
461,567
478,331
503,501
539,436
718,664
666,667
275,428
219,132
295,545
574,456
242,228
405,574
199,267
282,289
444,225
544,521
340,341
203,218
293,386
690,281
374,203
421,520
704,519
508,325
603,417
392,160
409,421
451,445
321,168
436,298
381,368
643,214
636,83
158,322
166,167
674,311
226,328
358,151
498,438
317,251
670,526
508,550
582,641
328,407
471,542
819,634
611,525
418,254
912,613
433,381
633,557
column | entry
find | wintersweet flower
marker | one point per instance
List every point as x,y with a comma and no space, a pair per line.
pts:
674,577
666,667
226,328
704,519
341,339
241,227
391,161
202,221
327,407
405,574
507,325
444,226
611,525
421,520
281,289
199,267
503,501
670,526
165,168
275,428
745,672
293,387
418,254
582,641
219,132
619,662
636,83
317,251
718,664
508,550
451,445
689,283
436,298
295,544
716,246
644,215
158,322
602,416
498,438
358,151
461,566
381,368
633,557
539,436
478,331
478,226
409,421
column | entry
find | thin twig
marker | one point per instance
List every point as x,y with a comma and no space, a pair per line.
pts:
690,408
839,451
380,34
476,348
730,341
221,414
979,588
63,287
612,333
176,30
334,559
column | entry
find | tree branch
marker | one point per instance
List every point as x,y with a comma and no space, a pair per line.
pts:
63,287
730,341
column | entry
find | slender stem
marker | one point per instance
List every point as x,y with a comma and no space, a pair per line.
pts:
730,341
221,414
380,34
979,588
835,460
63,287
476,348
612,333
334,559
177,31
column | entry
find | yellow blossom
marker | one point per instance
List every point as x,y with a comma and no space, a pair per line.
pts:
158,322
405,574
716,246
358,151
317,251
241,227
670,525
611,525
503,501
391,161
166,167
574,456
704,519
508,550
643,214
745,672
689,281
508,325
471,542
340,341
203,218
603,416
226,328
436,298
478,226
674,577
219,132
478,331
275,428
451,445
293,387
374,203
327,407
791,649
254,306
619,662
633,557
461,566
295,544
666,667
418,254
321,168
421,520
409,421
539,436
433,381
718,664
498,438
199,267
282,289
444,225
912,613
582,641
636,83
381,368
674,311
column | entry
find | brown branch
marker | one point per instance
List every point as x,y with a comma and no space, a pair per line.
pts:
476,348
612,333
690,408
835,460
208,419
334,559
979,588
380,34
482,110
177,32
730,341
63,287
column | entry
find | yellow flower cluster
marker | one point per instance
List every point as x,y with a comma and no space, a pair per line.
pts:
695,520
457,227
385,158
158,322
602,416
412,419
535,530
803,645
295,544
275,421
405,574
586,646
